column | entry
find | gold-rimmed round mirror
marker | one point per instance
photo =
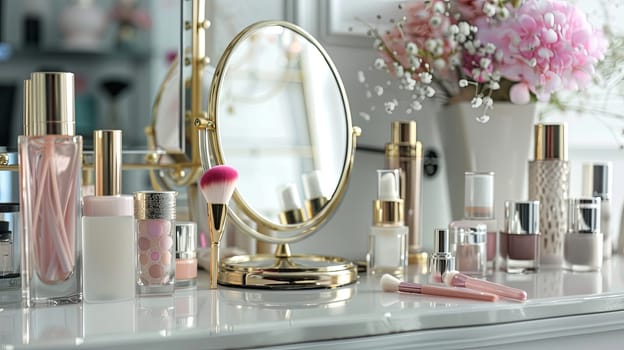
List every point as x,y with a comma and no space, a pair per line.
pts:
278,112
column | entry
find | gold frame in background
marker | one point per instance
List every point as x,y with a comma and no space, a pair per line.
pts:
281,270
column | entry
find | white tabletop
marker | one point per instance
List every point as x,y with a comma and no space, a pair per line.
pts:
242,318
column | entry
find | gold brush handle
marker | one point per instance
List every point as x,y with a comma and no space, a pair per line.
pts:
214,264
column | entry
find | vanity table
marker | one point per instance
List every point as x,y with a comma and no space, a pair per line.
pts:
564,309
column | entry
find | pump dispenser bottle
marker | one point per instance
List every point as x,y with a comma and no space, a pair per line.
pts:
404,152
49,170
549,183
108,226
387,244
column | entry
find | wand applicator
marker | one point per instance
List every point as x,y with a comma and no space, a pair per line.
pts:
390,283
217,185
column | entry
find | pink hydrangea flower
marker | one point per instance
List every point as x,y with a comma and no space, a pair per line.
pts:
549,45
470,9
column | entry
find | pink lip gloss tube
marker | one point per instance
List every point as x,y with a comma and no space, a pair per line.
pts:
458,279
154,215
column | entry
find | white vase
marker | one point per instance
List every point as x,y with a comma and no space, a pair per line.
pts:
502,145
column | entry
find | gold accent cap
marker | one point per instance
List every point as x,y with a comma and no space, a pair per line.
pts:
51,109
388,213
403,131
108,161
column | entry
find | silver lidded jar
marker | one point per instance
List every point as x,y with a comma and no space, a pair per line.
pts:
583,242
442,259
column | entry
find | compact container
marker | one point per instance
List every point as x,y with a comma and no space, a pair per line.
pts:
520,236
583,242
470,250
9,246
442,259
387,243
186,254
154,215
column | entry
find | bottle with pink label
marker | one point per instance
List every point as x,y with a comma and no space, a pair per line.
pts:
154,215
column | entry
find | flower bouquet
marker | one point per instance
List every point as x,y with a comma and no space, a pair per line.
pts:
487,50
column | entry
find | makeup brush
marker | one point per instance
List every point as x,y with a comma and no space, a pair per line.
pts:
458,279
390,283
217,185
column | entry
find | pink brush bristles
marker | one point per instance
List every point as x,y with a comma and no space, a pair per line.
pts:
218,183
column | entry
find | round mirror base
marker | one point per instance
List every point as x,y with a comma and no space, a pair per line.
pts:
295,272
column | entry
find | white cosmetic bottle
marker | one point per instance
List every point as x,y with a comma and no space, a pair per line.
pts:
387,245
108,227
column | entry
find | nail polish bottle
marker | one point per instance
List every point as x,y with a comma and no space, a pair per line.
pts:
387,244
9,246
549,183
470,249
50,157
479,209
597,182
186,254
154,215
583,242
520,236
442,259
108,244
404,152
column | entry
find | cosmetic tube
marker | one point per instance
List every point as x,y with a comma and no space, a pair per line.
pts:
470,250
186,254
49,170
549,183
387,240
458,279
291,213
108,245
154,214
520,236
597,182
404,152
9,246
583,242
442,259
313,193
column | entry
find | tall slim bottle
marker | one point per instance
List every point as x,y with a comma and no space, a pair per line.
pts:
549,183
49,171
597,182
404,152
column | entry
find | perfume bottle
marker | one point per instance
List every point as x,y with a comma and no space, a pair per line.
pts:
108,226
404,152
154,215
387,244
479,209
549,183
49,168
583,242
520,236
597,182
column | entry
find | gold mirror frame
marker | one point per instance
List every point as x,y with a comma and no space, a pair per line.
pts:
282,270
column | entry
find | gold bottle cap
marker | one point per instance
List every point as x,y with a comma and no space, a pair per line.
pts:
27,100
388,207
51,104
403,131
551,142
107,158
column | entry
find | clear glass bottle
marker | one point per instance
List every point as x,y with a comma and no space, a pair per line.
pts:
154,215
108,226
404,152
470,250
583,242
186,254
49,162
597,182
520,236
549,183
387,244
479,209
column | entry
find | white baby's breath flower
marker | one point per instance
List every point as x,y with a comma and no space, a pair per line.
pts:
380,63
502,13
461,38
431,44
425,77
489,9
463,83
490,48
494,85
379,90
435,21
361,77
455,60
415,62
488,102
429,91
464,28
476,72
496,75
411,48
398,69
453,29
416,105
391,106
438,7
439,50
439,63
476,102
485,62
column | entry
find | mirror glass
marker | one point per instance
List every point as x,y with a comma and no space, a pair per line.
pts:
280,114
